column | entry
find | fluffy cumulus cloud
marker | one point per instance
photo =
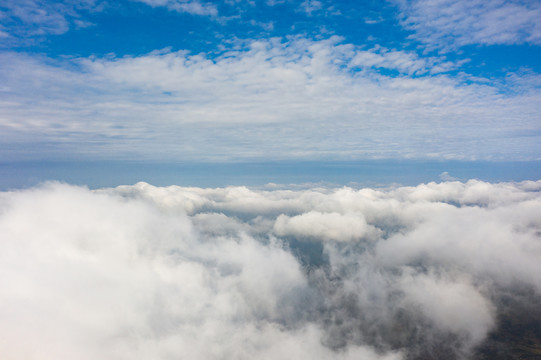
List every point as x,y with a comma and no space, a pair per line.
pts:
332,226
450,24
274,99
136,272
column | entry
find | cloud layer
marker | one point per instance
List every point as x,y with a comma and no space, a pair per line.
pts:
279,98
34,18
185,6
147,272
448,24
190,80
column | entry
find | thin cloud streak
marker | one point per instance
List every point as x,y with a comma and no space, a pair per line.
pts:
192,7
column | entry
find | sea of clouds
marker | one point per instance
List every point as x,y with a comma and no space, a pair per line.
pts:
145,272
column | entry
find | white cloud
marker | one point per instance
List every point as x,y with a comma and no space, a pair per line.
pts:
453,304
147,272
103,277
44,18
311,6
401,61
193,7
267,26
446,24
444,176
262,99
274,2
327,226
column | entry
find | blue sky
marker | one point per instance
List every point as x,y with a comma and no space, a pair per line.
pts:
289,128
275,80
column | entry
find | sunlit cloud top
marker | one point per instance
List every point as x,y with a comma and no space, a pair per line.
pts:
436,271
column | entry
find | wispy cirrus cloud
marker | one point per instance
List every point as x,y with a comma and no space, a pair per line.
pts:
403,62
448,25
39,18
322,273
194,7
311,6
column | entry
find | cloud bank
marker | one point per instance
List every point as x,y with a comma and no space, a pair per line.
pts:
281,98
138,272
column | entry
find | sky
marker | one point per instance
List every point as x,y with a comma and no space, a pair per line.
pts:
270,179
182,81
